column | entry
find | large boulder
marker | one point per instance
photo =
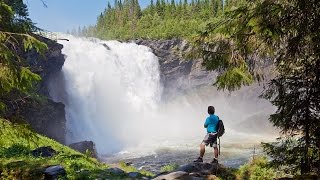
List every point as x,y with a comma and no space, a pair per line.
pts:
175,175
44,152
200,168
54,172
194,171
85,147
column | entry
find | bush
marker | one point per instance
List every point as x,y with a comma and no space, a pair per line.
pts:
257,169
169,167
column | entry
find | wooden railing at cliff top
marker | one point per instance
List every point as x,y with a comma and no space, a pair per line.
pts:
47,34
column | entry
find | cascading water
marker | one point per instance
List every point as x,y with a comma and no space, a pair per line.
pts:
113,97
109,91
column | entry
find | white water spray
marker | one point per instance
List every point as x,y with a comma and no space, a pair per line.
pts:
108,91
113,97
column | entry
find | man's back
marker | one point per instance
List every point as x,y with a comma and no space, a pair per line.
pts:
211,123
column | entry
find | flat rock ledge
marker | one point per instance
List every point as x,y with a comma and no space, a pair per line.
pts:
193,171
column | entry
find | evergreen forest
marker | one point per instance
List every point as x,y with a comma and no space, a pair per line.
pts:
159,20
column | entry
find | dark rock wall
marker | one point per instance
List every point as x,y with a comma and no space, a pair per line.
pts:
47,117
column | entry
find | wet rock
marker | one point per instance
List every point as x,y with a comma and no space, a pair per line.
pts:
134,174
115,171
44,152
84,147
106,46
54,172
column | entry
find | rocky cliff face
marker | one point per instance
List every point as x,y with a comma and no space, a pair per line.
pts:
177,72
47,117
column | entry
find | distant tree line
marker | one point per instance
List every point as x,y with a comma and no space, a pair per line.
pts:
159,20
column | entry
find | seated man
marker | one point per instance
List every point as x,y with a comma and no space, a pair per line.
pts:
211,124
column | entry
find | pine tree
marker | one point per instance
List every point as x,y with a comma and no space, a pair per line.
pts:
284,32
16,79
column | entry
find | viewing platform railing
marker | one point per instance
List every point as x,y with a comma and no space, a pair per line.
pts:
50,35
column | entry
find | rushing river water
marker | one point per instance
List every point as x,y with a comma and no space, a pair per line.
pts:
112,95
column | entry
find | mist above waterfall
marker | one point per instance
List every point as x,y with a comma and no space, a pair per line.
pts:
112,95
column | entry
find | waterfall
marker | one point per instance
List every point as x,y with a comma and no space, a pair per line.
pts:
112,96
110,86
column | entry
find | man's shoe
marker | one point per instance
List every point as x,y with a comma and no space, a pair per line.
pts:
214,161
199,160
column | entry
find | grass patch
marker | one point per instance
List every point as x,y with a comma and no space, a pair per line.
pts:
18,140
128,169
169,167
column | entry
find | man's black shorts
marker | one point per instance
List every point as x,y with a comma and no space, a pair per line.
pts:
210,138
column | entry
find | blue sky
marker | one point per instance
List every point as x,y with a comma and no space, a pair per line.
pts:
63,15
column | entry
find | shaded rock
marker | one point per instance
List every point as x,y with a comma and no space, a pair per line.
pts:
116,171
200,168
44,152
84,147
53,172
198,178
47,117
106,46
134,174
177,72
175,175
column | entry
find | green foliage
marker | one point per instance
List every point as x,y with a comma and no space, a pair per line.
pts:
286,154
257,169
15,75
285,33
161,20
18,163
169,167
233,78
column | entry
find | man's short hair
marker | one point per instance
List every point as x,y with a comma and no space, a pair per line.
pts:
211,110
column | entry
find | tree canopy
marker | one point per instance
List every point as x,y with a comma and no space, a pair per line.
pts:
285,34
159,20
